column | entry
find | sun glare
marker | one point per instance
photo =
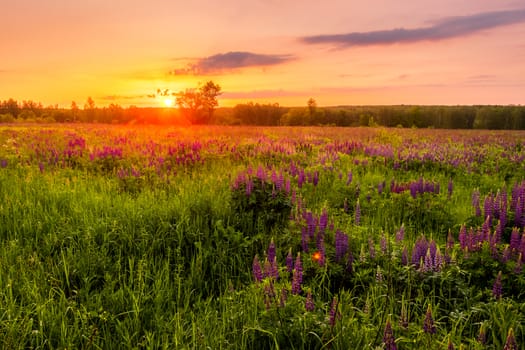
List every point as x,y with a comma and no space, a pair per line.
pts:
168,102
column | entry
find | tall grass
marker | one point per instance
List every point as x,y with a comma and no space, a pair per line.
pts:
154,248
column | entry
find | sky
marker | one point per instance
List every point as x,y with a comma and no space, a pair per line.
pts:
338,52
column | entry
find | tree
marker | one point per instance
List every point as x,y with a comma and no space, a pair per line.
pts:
199,104
74,111
312,106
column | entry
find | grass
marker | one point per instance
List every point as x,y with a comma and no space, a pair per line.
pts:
153,248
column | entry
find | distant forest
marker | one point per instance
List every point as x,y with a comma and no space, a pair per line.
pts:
443,117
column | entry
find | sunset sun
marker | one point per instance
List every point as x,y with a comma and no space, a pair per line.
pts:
168,102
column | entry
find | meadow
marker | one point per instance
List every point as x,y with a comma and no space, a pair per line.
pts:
134,237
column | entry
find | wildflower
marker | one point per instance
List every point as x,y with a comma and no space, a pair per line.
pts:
388,337
428,263
289,261
404,256
284,297
510,343
497,290
515,239
297,277
450,188
309,302
475,202
271,251
383,244
379,275
334,314
463,237
428,325
371,248
349,179
400,234
341,244
256,269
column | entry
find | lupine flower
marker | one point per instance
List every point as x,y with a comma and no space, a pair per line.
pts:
271,251
450,188
497,289
428,325
371,248
383,244
350,262
349,179
388,337
428,263
400,234
515,239
488,207
334,314
379,275
341,245
404,256
345,205
309,302
284,297
289,261
450,240
256,269
463,237
297,277
274,269
510,342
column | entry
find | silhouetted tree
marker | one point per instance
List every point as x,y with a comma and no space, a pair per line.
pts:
197,105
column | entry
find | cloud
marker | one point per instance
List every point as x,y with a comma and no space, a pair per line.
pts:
121,97
445,28
230,61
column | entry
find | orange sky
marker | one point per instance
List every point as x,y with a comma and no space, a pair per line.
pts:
338,52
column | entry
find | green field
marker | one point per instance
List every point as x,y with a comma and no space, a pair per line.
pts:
116,237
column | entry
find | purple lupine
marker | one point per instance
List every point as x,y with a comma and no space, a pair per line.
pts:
309,304
345,205
341,245
510,342
388,337
289,261
428,326
357,213
404,256
274,269
334,314
439,261
522,244
419,251
515,239
463,237
315,178
271,251
371,248
427,264
256,269
284,297
249,187
488,208
304,238
3,163
383,244
379,275
297,277
450,188
349,178
400,234
497,288
350,262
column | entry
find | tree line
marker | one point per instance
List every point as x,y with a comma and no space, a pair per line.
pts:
200,106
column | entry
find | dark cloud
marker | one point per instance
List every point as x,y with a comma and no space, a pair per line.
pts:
443,29
230,61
